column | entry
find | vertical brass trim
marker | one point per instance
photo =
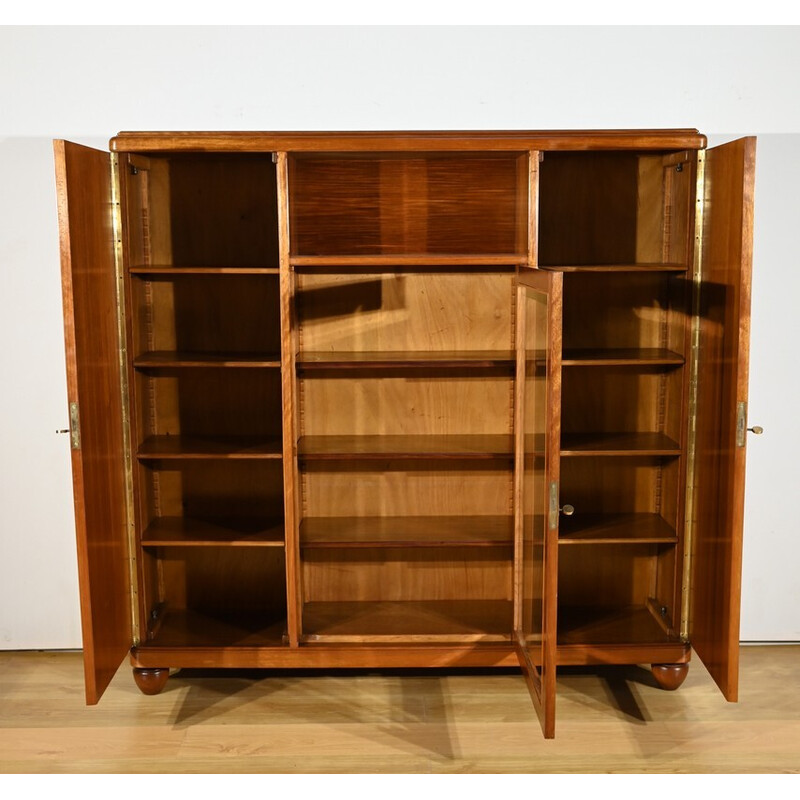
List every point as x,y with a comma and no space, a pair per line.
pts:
694,366
741,423
124,390
553,510
74,426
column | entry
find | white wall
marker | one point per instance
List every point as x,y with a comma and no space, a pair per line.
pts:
88,83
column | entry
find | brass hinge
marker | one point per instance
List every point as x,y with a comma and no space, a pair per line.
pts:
74,427
552,521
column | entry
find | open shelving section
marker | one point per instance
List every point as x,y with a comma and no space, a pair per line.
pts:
403,269
205,394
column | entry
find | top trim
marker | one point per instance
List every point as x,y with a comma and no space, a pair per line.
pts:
345,141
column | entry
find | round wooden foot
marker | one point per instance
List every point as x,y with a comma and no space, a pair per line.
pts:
669,676
151,680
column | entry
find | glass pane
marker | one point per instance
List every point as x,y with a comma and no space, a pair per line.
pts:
535,489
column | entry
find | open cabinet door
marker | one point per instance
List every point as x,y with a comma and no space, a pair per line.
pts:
85,212
538,432
721,422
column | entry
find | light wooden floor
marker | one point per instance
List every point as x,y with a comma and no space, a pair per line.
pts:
614,721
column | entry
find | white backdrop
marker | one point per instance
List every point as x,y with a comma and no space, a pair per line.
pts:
86,84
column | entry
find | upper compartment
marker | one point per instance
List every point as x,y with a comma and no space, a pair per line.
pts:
622,210
409,205
202,213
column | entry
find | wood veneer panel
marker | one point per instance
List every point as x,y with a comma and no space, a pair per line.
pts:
610,625
466,446
191,447
618,444
445,359
193,629
406,260
722,384
228,531
256,141
476,531
160,359
397,203
166,271
631,528
432,620
654,267
83,182
620,356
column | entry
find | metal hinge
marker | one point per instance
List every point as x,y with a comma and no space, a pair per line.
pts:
74,427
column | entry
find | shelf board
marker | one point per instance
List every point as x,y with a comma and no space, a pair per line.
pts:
619,356
189,628
464,446
227,532
181,447
618,444
169,270
443,359
402,621
644,267
599,625
634,528
359,532
159,359
412,260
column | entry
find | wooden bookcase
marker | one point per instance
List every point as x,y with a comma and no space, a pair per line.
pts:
408,400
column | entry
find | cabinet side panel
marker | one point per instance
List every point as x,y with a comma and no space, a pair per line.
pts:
83,179
722,387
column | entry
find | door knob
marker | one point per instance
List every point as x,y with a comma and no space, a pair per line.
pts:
756,429
567,510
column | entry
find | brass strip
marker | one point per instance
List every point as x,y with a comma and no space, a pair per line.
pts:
125,393
691,441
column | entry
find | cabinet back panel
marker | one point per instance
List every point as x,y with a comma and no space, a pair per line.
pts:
214,314
218,489
400,204
419,402
401,574
602,208
410,311
223,579
389,489
610,485
616,399
615,310
223,211
600,575
210,402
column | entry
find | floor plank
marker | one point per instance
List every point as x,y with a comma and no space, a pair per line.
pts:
609,720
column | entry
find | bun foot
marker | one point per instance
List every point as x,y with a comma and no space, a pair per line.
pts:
669,676
151,680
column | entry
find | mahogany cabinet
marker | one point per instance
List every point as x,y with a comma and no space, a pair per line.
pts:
408,400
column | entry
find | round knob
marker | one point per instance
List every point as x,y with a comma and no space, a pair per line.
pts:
757,430
62,430
567,510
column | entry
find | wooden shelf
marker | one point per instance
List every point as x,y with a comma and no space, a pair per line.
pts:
656,267
466,446
159,359
168,271
618,444
423,621
639,528
359,532
183,447
407,260
227,532
189,628
309,361
598,625
619,356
